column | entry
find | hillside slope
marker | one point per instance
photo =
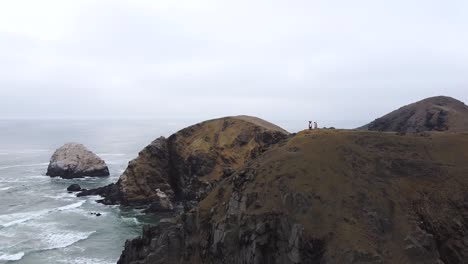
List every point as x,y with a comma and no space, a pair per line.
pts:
439,113
185,166
328,197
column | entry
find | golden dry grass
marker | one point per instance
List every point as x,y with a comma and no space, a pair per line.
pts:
358,188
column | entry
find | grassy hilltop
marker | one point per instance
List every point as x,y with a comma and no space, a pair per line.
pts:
329,196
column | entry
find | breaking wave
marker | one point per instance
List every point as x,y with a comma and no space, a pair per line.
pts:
11,257
64,239
17,218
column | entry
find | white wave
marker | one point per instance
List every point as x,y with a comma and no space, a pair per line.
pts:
26,179
38,177
5,188
131,220
18,218
61,196
11,257
56,240
86,261
64,239
23,165
70,206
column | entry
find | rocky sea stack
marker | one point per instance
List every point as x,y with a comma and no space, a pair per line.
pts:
439,113
74,160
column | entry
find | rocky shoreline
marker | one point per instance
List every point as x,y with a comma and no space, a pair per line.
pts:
242,190
397,212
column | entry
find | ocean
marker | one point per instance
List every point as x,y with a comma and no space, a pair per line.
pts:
40,222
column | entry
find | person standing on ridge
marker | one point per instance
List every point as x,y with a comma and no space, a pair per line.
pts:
310,125
315,125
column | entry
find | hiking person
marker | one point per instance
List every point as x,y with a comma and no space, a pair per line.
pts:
310,125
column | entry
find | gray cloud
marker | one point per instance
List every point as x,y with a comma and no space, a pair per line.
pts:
341,62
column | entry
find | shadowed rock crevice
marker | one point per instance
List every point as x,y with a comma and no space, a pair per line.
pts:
447,225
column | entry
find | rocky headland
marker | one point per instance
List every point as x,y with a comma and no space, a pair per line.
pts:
440,113
329,196
74,160
186,166
249,192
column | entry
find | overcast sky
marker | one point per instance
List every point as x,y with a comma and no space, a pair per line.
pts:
339,62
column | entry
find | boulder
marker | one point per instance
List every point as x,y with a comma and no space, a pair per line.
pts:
74,188
74,160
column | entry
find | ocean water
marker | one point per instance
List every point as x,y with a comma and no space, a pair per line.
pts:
40,222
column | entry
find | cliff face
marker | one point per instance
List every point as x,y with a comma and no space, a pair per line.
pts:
432,114
185,166
328,197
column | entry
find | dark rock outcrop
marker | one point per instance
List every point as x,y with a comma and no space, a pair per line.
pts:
432,114
340,197
76,161
74,188
111,194
188,164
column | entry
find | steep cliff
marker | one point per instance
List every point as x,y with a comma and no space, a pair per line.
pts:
185,166
328,197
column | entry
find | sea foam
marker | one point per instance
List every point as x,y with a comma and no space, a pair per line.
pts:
64,239
17,218
11,257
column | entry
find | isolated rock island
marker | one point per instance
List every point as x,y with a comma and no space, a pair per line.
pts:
74,160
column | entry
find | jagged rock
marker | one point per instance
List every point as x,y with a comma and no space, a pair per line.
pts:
161,204
75,161
421,246
157,245
111,194
74,188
